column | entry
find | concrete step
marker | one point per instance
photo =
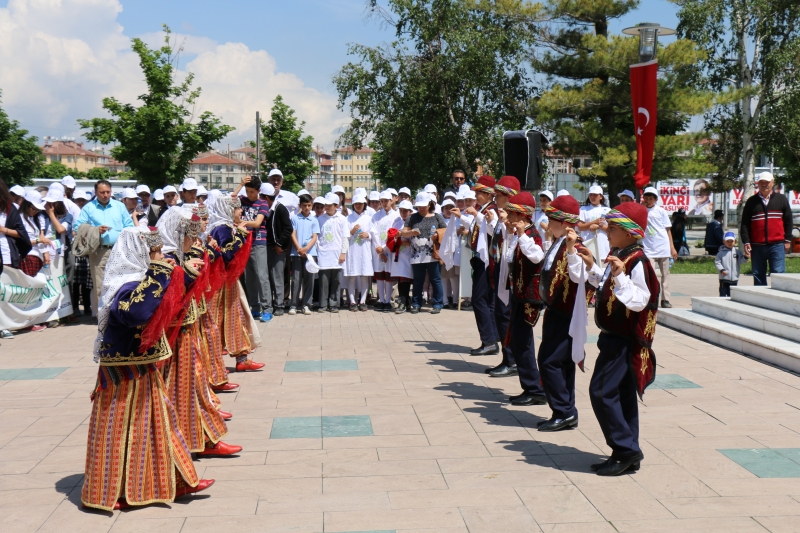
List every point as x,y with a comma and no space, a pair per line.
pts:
757,318
768,298
786,282
775,350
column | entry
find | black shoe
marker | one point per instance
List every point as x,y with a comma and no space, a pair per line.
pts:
504,371
436,311
542,422
498,367
597,466
466,305
278,311
616,467
557,424
665,304
527,398
485,349
414,310
334,309
362,307
400,309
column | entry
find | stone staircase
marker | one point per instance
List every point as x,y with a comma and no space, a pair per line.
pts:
762,322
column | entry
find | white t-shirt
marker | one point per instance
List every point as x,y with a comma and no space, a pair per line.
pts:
589,213
5,249
656,241
332,240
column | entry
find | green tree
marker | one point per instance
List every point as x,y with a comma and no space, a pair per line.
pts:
441,94
159,138
285,146
20,156
752,63
99,173
56,170
587,105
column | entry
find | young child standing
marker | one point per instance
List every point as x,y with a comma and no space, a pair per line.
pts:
626,315
305,232
332,250
729,262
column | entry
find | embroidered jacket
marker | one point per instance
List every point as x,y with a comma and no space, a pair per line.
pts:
475,230
556,289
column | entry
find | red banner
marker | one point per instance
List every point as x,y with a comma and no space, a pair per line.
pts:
644,94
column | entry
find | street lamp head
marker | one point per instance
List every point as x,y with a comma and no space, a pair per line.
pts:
648,33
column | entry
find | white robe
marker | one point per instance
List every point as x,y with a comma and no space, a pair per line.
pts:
381,222
401,268
359,254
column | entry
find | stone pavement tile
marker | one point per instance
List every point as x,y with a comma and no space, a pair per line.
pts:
377,441
482,481
511,443
454,497
706,525
25,519
459,434
413,482
63,459
558,504
58,481
430,452
151,525
778,524
638,504
70,516
490,420
671,481
207,504
260,488
443,411
708,464
494,464
499,518
753,505
297,522
761,486
379,468
30,497
354,501
243,458
22,448
285,457
767,462
221,471
579,527
432,519
393,424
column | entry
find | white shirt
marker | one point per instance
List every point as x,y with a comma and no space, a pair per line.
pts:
527,246
656,241
33,234
72,208
631,291
332,240
551,253
5,249
589,213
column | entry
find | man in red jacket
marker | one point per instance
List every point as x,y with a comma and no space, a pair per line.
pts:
766,229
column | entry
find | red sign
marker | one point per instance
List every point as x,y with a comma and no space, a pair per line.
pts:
644,95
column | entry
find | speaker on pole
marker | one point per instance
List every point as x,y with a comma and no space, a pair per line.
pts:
522,157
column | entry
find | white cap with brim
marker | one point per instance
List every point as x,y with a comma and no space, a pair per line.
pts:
653,191
359,199
386,195
459,196
394,192
55,193
142,188
301,192
430,188
190,184
464,188
158,194
765,176
202,191
626,192
275,172
405,204
319,200
81,195
374,196
68,182
169,189
129,193
19,190
470,195
548,194
266,189
35,199
360,191
562,192
331,199
337,188
449,194
404,190
423,199
595,189
448,202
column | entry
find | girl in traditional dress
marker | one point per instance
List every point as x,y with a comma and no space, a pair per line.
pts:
358,264
136,453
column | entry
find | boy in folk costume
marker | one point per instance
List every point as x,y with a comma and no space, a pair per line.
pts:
136,454
626,315
199,420
525,256
558,290
382,221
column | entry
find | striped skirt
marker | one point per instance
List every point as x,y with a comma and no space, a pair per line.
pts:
234,323
212,345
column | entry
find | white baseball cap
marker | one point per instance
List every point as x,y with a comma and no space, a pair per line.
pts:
430,187
459,196
55,193
337,188
394,192
301,192
469,195
450,194
68,182
464,188
627,192
405,204
319,200
180,187
386,195
158,194
765,176
331,199
422,200
168,189
548,194
202,191
359,199
142,188
35,199
595,189
405,190
374,195
650,190
129,193
19,190
81,195
562,192
448,202
360,191
266,189
275,172
190,184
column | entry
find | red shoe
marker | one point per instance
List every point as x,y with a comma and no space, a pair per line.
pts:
121,504
225,387
202,485
249,366
40,327
224,351
225,416
220,448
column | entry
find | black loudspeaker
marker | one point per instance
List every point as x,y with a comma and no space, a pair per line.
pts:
522,157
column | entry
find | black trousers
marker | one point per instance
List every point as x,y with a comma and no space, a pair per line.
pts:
725,288
556,365
483,302
524,353
502,319
613,395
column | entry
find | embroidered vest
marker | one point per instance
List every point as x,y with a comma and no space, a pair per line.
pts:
556,289
613,317
495,254
475,231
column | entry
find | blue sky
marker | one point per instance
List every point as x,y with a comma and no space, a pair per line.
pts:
60,58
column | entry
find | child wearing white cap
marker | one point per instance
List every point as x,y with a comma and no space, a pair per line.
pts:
400,258
332,249
592,224
358,263
381,222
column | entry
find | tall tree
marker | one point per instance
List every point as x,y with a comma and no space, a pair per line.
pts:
587,106
441,94
20,156
753,60
285,145
159,138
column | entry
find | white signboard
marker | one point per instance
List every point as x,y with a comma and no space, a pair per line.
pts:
26,301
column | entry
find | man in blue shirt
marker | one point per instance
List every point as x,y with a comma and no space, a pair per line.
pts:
110,217
305,232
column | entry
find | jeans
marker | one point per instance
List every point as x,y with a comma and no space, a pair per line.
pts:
725,288
256,280
301,277
329,288
761,254
662,263
432,270
277,265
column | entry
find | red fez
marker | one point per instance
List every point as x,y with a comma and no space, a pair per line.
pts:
567,204
636,212
485,184
508,185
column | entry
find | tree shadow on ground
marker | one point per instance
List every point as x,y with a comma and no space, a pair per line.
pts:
475,365
441,347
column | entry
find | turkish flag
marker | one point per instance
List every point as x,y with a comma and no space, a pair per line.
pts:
644,94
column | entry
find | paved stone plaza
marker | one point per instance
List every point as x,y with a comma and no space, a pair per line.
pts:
374,422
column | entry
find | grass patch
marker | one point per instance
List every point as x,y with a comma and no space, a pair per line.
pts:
707,267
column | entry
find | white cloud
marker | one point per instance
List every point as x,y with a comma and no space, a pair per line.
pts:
61,57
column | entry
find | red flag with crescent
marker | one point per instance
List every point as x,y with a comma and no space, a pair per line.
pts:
644,94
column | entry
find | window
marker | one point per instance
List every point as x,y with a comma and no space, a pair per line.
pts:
69,159
230,179
229,168
204,168
587,163
204,179
218,179
217,168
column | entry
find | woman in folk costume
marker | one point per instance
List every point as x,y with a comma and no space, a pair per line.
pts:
136,453
187,381
358,263
400,258
229,307
381,223
625,312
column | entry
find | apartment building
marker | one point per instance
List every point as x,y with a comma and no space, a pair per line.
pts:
69,153
215,171
351,170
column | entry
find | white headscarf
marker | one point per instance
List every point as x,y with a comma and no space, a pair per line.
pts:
174,226
127,262
220,210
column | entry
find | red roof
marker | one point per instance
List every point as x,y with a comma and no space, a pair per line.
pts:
66,148
216,159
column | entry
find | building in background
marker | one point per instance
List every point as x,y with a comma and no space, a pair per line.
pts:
351,170
69,153
320,182
215,171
